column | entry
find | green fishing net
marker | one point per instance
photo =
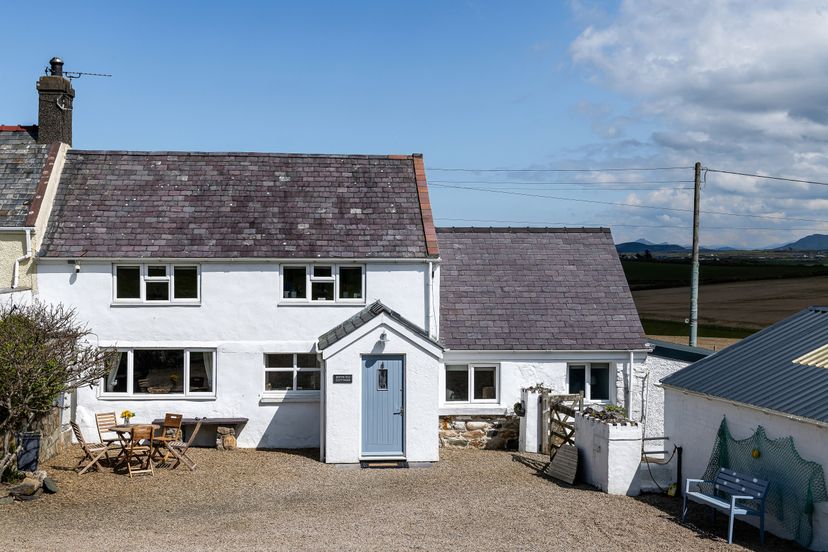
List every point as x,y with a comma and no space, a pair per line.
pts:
795,483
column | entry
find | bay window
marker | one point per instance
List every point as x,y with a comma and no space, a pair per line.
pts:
158,373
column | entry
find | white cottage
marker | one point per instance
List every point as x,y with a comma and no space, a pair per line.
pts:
301,296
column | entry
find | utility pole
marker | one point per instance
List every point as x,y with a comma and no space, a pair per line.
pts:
694,274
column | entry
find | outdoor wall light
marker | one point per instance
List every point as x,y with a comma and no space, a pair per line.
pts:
383,338
76,265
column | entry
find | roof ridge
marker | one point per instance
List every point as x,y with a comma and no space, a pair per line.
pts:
243,154
524,229
17,128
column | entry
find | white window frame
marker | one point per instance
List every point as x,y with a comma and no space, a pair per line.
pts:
145,278
295,369
588,377
310,279
470,366
104,394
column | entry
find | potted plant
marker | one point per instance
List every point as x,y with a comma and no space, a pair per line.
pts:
127,415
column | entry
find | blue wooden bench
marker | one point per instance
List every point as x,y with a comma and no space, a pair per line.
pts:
729,488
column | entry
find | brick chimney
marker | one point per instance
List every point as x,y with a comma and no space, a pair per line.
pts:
54,115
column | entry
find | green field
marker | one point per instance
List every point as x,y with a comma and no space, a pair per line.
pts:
669,327
667,274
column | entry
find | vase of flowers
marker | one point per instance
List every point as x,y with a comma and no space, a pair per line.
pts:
126,415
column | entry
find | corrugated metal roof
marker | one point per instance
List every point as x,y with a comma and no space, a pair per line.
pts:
761,370
676,351
817,357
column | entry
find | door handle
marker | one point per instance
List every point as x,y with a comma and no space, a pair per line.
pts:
401,412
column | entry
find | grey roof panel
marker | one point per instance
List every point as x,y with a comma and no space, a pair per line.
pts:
236,205
676,351
534,289
759,370
21,162
363,317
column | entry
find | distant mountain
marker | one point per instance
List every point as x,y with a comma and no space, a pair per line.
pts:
645,241
814,242
639,247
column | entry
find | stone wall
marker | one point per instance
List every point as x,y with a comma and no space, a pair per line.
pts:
53,435
480,432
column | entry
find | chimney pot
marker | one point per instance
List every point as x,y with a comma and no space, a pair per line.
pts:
56,65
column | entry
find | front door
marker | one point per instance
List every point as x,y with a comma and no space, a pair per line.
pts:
382,405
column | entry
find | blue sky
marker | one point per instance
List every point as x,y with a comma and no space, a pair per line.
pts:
468,84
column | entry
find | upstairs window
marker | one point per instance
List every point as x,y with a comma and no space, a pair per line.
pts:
323,283
156,283
592,379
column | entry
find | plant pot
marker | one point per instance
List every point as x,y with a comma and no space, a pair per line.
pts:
28,450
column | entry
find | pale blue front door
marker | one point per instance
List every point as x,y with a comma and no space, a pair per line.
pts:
382,405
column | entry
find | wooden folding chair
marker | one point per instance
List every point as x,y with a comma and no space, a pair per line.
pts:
179,449
170,431
105,421
140,448
91,451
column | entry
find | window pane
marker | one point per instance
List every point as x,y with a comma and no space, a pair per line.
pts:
485,383
158,372
599,382
156,271
307,360
308,380
350,283
186,282
323,271
293,283
158,291
577,379
116,381
457,383
278,381
129,282
279,360
201,372
382,379
322,291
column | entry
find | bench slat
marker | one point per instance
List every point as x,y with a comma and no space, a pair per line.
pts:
719,503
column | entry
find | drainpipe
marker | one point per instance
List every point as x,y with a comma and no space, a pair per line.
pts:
628,390
28,255
429,299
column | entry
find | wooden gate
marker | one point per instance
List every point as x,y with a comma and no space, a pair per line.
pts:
558,420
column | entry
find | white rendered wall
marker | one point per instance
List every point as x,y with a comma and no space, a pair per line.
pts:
520,370
343,402
692,423
609,455
241,318
652,396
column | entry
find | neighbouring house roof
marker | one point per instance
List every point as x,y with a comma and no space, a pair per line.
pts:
240,205
676,351
363,317
534,289
761,370
22,161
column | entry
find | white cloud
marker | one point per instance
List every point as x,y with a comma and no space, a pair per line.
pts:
738,85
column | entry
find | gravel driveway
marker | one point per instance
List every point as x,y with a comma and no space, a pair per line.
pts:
470,500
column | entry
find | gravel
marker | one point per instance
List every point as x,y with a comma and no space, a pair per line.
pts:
247,499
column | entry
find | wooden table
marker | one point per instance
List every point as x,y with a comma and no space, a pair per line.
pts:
123,430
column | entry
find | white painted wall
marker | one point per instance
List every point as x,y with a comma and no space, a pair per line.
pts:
519,370
241,318
652,395
608,455
343,402
692,423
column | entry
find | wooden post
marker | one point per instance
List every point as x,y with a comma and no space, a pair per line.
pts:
694,274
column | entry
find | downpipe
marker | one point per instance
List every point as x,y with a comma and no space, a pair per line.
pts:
27,256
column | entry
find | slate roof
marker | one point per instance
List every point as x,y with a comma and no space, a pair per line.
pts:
363,317
534,289
676,351
238,205
759,370
21,163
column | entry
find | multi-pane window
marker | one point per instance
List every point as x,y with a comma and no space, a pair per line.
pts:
156,283
151,372
591,379
292,372
471,383
323,283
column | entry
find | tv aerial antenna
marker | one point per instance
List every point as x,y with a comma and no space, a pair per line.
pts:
55,69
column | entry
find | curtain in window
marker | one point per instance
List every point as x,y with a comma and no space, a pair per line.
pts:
208,368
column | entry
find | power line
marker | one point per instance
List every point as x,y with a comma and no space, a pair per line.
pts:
567,183
609,169
767,177
607,189
581,224
595,201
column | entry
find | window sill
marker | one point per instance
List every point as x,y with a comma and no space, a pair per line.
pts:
154,304
156,397
479,409
290,398
302,303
